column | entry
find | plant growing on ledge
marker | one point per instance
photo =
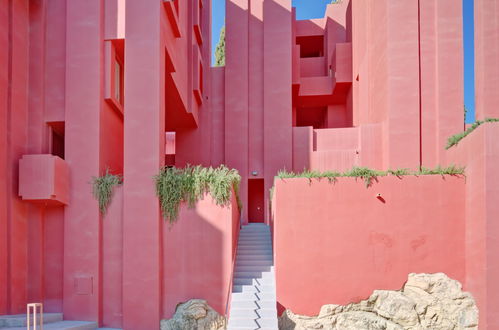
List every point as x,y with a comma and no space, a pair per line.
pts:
455,139
176,185
370,175
102,188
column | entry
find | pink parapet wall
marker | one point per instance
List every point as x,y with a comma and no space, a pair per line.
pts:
479,151
334,243
199,255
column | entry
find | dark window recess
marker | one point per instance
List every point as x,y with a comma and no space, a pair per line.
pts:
311,46
57,139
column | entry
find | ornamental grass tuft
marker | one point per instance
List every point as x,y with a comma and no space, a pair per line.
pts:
103,187
176,185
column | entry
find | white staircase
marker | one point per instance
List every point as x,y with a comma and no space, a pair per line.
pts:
253,304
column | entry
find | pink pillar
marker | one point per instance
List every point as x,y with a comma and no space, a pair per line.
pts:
486,58
277,100
144,155
402,129
14,34
82,226
256,89
4,83
441,77
236,93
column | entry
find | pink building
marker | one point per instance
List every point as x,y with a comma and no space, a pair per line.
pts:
87,85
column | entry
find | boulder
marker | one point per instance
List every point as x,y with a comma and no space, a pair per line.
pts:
427,301
195,314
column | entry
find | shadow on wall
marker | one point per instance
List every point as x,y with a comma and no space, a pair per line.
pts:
198,254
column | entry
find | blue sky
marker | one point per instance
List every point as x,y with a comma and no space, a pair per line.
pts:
306,9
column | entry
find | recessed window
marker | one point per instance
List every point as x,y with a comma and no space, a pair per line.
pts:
311,46
117,81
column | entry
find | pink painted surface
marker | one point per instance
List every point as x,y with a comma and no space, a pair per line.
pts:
112,262
342,236
142,225
479,152
486,59
44,178
82,267
203,238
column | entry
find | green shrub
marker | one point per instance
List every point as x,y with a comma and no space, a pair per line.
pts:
455,139
103,187
189,184
370,175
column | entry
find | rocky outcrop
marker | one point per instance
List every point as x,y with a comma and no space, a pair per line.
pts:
195,314
427,301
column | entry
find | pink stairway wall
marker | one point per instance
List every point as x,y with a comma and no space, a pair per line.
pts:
199,252
479,152
334,243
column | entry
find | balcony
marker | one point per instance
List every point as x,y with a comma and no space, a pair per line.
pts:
44,179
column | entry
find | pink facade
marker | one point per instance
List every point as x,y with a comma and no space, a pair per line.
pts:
126,85
357,242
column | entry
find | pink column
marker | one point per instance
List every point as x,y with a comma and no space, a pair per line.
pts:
144,155
256,89
4,83
486,58
236,93
82,226
441,98
403,85
17,49
277,102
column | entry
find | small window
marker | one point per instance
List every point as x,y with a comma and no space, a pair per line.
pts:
117,81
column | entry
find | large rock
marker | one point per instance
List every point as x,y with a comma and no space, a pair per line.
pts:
195,314
427,301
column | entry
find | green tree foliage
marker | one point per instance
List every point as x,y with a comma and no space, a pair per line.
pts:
220,50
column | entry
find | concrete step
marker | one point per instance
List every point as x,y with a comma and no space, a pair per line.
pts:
19,320
267,322
258,249
265,304
246,250
253,274
254,234
63,325
253,268
251,241
253,313
242,323
256,257
253,281
253,296
236,288
253,262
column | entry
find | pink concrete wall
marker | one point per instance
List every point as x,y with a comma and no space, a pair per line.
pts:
14,37
345,242
145,113
479,152
236,92
198,255
486,58
84,103
112,262
277,103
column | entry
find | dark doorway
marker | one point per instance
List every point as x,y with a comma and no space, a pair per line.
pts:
255,200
